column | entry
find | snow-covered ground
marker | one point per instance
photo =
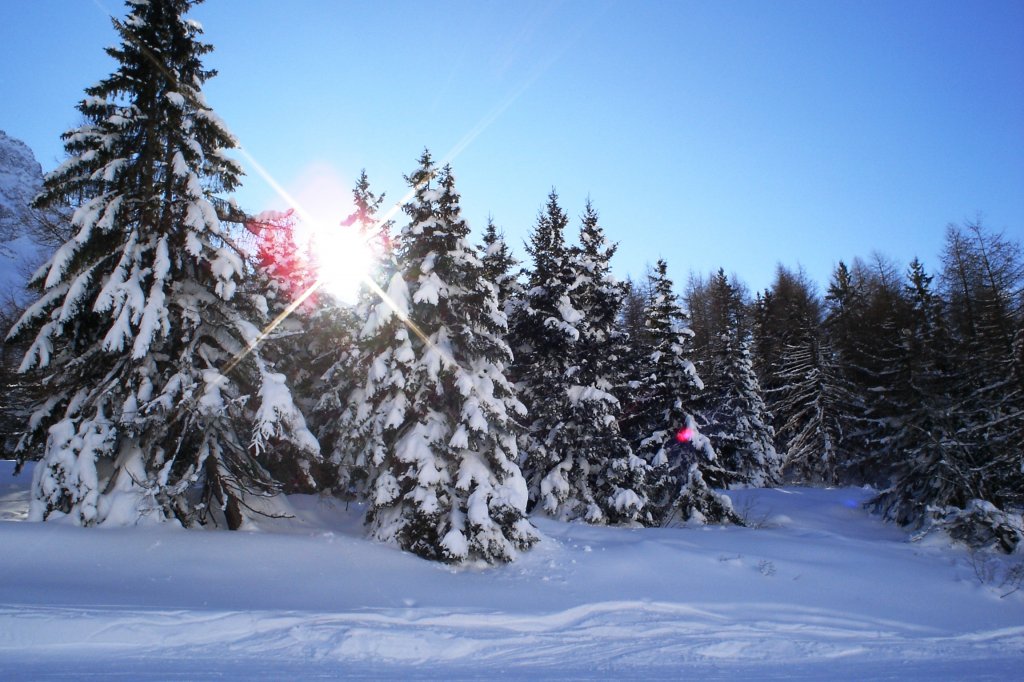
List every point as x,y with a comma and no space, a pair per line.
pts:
821,590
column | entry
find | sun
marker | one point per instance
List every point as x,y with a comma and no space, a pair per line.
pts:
340,252
343,260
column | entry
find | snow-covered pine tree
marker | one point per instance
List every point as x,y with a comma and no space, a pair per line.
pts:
924,436
288,283
439,410
544,331
287,263
736,420
851,345
340,416
804,384
578,464
501,268
845,307
662,425
311,328
160,404
815,401
616,479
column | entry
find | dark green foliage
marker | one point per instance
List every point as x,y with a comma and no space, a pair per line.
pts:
159,404
960,446
544,330
733,413
661,423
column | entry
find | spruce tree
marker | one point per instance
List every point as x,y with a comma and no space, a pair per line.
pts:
161,405
438,418
925,433
815,401
850,342
296,337
545,329
734,415
663,427
346,331
501,268
965,472
614,477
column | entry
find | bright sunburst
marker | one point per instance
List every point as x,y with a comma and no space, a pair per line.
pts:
343,260
339,252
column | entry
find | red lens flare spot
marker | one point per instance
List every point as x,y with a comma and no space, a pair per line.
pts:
287,260
685,435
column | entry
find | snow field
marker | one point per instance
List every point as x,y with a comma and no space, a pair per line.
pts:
821,590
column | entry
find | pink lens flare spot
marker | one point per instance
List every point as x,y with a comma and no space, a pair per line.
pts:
685,435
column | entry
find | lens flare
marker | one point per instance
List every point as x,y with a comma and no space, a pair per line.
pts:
685,435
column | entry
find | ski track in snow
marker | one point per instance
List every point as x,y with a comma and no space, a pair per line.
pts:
608,636
821,591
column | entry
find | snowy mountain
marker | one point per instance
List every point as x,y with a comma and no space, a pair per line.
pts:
21,177
818,590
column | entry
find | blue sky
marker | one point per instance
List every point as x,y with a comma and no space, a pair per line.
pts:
713,134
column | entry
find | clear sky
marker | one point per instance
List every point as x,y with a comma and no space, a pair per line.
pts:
714,134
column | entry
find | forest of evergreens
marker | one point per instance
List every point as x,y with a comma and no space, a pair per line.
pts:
171,374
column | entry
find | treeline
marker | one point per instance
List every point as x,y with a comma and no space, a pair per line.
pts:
463,392
907,380
178,377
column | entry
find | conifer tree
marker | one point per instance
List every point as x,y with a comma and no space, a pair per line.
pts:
632,340
803,379
438,423
545,329
814,400
295,337
501,268
338,414
849,345
635,299
663,427
925,431
873,353
606,468
161,404
288,264
579,464
983,276
735,418
965,472
781,316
